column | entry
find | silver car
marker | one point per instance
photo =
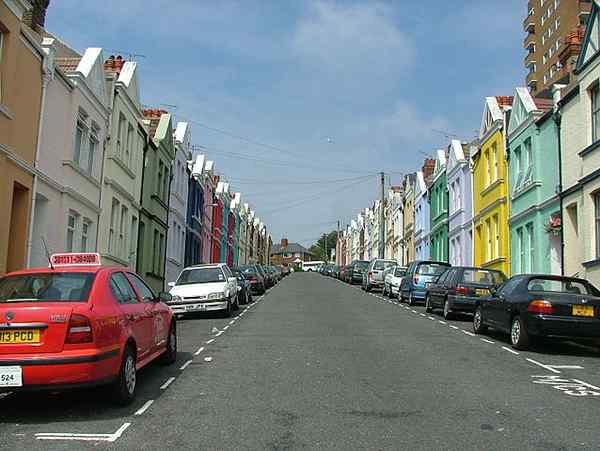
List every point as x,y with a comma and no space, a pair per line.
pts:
392,280
373,277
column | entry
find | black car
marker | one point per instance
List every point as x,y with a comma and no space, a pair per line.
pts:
255,278
245,293
539,305
458,288
269,280
356,270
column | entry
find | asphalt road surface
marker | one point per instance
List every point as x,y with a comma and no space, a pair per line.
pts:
318,364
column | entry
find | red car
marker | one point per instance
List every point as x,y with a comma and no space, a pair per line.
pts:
77,324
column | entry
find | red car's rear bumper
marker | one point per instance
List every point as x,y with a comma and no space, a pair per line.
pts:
64,370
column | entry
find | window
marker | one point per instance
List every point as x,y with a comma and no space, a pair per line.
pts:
528,157
155,252
89,163
595,113
488,227
85,232
47,287
123,230
159,180
521,250
496,237
488,172
458,195
133,241
518,168
145,292
597,222
114,216
71,228
494,162
130,138
80,138
121,289
120,136
530,248
166,183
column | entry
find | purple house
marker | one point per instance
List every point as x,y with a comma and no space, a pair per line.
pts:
460,205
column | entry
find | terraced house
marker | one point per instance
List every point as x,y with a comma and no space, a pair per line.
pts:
195,204
422,221
460,211
438,204
490,188
122,178
409,217
67,210
22,87
533,180
579,115
158,157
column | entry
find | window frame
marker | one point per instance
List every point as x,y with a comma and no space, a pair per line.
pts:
597,221
72,230
133,279
595,111
2,39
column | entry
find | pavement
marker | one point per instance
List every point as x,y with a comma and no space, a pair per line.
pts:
319,364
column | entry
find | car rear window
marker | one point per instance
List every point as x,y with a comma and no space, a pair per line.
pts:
482,277
431,269
47,287
382,264
201,275
400,272
247,269
558,286
361,265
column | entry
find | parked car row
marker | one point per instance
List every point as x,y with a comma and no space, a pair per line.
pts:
525,306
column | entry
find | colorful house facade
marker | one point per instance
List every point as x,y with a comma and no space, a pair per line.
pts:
409,217
491,209
460,210
579,118
533,175
195,204
438,205
422,220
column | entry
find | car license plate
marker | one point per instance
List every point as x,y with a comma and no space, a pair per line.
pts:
19,336
583,310
11,376
482,291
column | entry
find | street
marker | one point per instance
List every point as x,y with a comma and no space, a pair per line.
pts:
318,364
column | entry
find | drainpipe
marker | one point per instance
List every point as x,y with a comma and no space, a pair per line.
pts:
557,116
47,76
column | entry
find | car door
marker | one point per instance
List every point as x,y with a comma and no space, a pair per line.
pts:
231,282
407,280
134,313
438,288
155,310
495,306
449,289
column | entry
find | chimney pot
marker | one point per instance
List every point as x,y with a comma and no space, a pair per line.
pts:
284,242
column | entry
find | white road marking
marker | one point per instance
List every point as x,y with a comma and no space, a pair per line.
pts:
431,318
487,341
442,322
510,350
232,321
145,407
166,384
208,359
185,365
549,368
453,327
586,384
221,331
225,328
200,349
466,332
210,341
83,437
414,311
423,315
4,395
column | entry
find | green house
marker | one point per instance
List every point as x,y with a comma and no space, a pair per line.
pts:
438,210
152,235
533,173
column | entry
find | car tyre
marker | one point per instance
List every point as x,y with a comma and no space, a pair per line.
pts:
478,326
124,389
519,338
227,311
428,308
367,288
170,355
447,312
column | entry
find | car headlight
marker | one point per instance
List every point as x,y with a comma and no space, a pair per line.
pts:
176,298
219,295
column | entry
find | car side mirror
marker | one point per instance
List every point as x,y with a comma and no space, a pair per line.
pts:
163,296
171,284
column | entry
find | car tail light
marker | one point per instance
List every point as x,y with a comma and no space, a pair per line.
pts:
80,330
369,274
540,306
462,291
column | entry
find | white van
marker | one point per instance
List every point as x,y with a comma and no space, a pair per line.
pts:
312,266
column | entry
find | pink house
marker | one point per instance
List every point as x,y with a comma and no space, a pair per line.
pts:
204,171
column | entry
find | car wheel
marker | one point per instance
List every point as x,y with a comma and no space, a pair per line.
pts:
447,311
236,305
384,291
411,300
249,298
170,355
478,326
123,390
428,308
227,311
367,288
519,338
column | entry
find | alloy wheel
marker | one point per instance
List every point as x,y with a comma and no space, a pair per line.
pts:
130,376
515,331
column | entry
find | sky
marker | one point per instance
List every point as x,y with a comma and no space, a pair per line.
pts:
302,103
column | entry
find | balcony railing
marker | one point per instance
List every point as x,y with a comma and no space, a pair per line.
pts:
529,41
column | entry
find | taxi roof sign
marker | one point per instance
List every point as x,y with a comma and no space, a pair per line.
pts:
75,259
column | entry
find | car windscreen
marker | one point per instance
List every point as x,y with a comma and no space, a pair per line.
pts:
558,286
400,272
483,277
201,275
383,264
47,287
251,270
431,269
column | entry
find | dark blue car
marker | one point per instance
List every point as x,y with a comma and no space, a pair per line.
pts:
418,274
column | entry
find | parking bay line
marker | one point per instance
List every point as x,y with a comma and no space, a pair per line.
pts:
185,365
210,341
510,350
145,407
453,326
487,341
166,384
200,349
83,437
466,332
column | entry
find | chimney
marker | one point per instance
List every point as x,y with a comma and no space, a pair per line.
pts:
284,242
428,167
114,64
557,94
36,17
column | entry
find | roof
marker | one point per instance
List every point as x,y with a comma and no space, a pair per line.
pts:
114,65
67,65
153,115
291,248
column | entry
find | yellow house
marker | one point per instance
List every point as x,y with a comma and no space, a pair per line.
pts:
491,246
